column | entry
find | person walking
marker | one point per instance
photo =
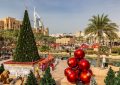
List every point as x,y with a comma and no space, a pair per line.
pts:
103,61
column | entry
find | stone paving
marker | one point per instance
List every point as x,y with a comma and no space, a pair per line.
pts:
58,73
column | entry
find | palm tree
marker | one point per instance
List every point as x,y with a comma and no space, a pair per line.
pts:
100,26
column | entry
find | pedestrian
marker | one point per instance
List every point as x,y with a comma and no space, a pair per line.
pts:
103,61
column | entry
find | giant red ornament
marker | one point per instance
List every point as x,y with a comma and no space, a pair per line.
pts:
68,71
72,62
72,77
78,70
84,64
79,54
85,77
90,71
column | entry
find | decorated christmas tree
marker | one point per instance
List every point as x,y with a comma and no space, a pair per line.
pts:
47,78
110,78
26,49
31,80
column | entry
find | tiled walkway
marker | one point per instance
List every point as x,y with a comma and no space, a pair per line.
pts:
99,73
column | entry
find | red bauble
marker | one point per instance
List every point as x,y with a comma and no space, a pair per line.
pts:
72,77
68,71
85,77
84,64
79,54
72,62
90,71
77,73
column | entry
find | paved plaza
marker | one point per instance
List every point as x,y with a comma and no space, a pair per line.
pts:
60,79
99,73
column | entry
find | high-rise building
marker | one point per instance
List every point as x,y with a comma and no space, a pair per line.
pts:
38,24
10,23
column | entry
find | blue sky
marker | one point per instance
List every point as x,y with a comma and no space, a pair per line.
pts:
62,16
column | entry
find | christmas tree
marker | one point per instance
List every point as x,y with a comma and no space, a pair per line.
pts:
47,78
31,80
110,78
117,78
118,74
2,68
116,81
26,49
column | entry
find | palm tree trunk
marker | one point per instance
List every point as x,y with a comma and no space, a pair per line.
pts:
98,53
98,60
111,44
110,47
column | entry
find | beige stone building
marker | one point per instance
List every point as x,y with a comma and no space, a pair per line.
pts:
1,24
44,31
13,23
78,34
66,40
10,23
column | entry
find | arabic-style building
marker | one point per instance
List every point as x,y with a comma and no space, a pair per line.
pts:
10,23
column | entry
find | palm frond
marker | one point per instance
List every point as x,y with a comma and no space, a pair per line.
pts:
100,25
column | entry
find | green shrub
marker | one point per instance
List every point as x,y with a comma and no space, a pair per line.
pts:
119,51
104,50
115,50
1,68
90,51
44,48
117,64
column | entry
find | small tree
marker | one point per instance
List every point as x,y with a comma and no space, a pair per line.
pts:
47,78
117,78
44,48
116,81
104,50
31,80
110,78
2,68
118,75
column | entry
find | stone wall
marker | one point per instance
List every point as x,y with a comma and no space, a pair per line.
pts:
18,70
